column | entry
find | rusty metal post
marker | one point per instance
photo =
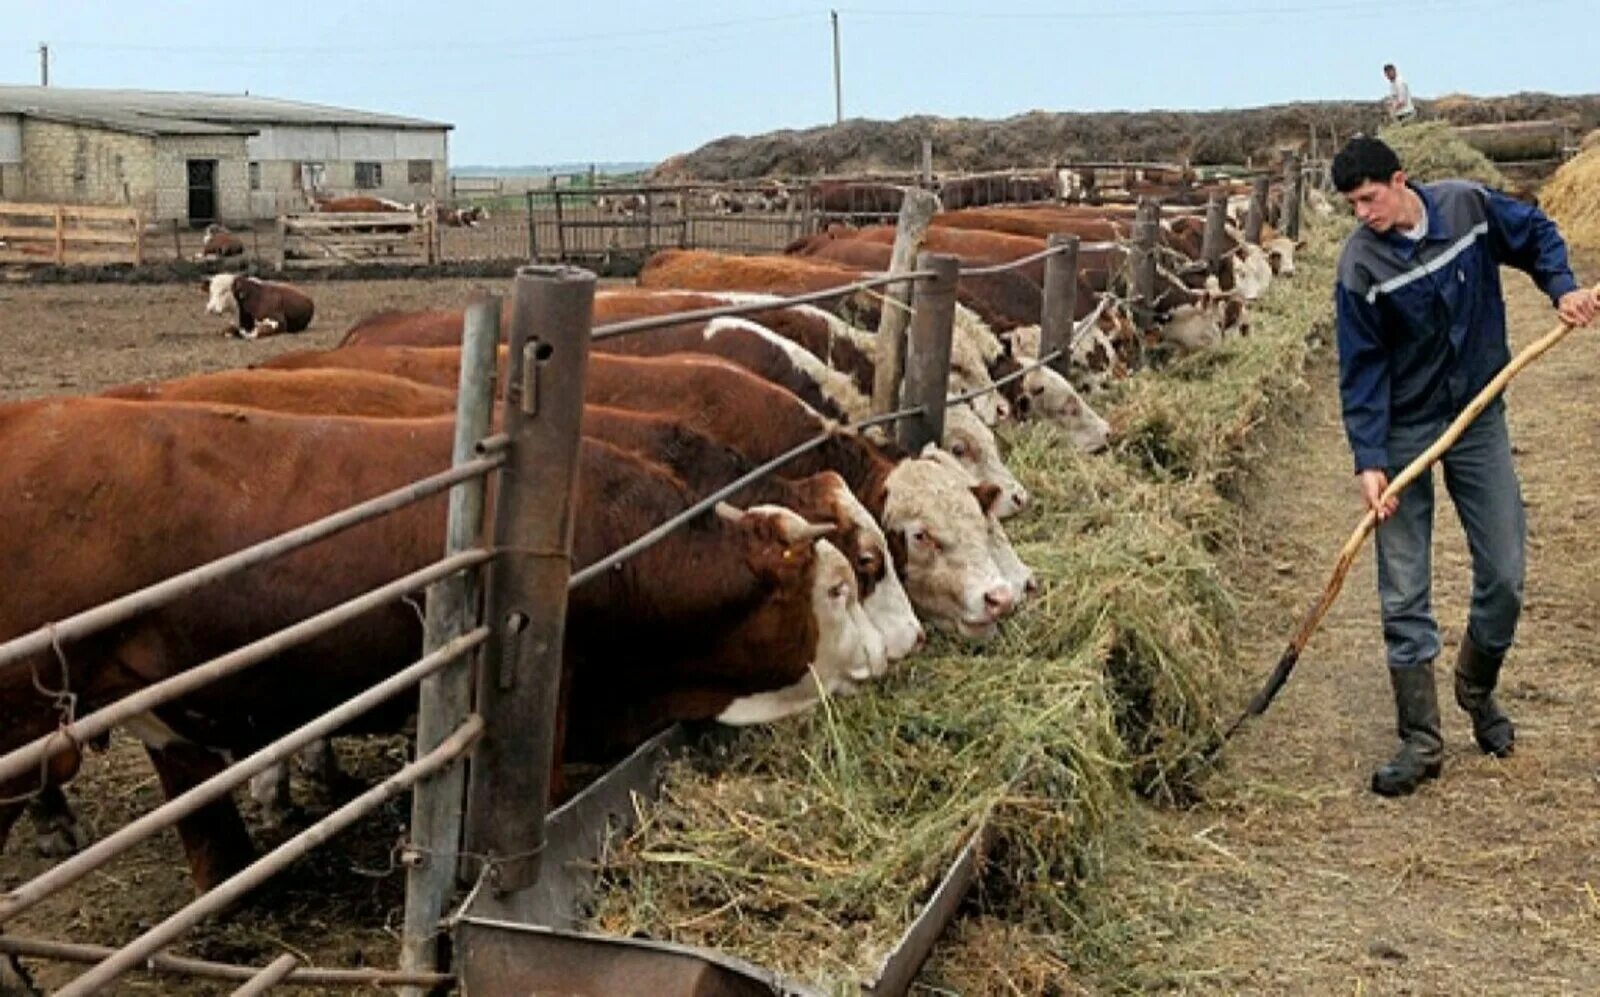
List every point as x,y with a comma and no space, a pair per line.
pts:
1211,243
928,353
1292,183
1142,258
1060,301
519,682
1258,210
452,610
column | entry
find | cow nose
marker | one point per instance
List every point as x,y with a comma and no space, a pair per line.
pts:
998,599
1020,498
922,639
1031,586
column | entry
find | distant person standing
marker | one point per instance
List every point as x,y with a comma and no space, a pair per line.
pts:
1399,100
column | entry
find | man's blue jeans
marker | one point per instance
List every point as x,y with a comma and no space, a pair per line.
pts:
1483,484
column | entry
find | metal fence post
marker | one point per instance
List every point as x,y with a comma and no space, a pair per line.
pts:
561,228
520,681
928,357
1292,181
446,698
533,237
1060,301
1211,243
1146,231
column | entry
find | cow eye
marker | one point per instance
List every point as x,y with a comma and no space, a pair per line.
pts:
1037,389
959,449
838,591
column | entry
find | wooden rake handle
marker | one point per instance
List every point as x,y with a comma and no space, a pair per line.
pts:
1412,471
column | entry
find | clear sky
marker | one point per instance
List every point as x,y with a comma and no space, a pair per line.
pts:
540,82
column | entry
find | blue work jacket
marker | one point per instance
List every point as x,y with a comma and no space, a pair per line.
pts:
1422,323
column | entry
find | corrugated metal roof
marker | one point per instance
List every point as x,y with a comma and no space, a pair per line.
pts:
157,112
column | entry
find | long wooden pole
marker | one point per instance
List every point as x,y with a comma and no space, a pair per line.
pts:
917,209
1414,470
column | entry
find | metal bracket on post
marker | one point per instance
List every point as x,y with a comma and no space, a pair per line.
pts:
1146,232
1060,301
928,358
1211,242
520,680
1258,210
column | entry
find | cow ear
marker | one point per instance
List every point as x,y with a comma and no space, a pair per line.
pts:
731,513
987,495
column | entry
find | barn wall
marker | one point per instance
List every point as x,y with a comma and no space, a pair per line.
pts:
76,164
172,176
280,149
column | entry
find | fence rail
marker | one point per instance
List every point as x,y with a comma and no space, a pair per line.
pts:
69,234
330,239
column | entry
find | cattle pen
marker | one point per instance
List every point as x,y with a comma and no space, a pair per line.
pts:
514,875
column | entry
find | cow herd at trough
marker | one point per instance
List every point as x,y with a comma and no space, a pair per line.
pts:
813,581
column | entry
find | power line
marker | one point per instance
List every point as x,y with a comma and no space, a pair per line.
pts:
1341,7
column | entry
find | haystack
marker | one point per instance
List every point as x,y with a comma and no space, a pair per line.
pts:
1431,150
1572,198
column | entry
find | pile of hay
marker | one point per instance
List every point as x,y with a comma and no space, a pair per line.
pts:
808,846
1431,150
1572,198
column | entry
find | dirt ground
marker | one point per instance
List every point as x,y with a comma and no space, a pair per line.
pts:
1291,877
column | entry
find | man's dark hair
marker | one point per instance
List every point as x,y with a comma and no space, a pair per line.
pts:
1388,66
1363,159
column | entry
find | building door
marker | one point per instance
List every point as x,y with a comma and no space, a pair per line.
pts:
202,192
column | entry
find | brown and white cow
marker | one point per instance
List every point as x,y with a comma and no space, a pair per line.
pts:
219,243
260,307
639,654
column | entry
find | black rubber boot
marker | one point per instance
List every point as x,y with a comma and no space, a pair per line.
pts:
1476,676
1421,754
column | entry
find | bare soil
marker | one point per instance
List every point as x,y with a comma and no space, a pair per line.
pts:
1291,877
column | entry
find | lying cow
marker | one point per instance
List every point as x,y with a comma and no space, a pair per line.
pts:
219,243
261,307
458,217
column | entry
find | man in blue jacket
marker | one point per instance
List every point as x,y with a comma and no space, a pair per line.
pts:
1421,329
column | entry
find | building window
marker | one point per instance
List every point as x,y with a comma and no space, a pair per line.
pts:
369,176
419,171
254,170
312,176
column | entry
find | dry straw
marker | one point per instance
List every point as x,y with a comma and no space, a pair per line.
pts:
1431,150
807,846
1572,198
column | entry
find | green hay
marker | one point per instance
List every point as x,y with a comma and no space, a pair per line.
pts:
807,846
1431,150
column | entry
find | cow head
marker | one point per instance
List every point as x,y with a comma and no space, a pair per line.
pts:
804,572
1252,271
1280,254
1193,327
220,293
860,539
974,446
1018,575
936,520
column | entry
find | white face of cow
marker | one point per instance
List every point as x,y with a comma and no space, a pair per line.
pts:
973,445
1052,397
1193,328
1252,272
1018,575
219,295
950,573
888,607
1280,255
849,648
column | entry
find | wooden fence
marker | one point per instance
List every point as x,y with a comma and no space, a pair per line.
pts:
331,239
66,234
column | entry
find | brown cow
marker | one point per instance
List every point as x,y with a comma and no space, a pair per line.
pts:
329,391
220,242
639,652
261,307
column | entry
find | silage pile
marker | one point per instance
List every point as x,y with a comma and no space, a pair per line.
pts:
1572,198
808,846
1431,150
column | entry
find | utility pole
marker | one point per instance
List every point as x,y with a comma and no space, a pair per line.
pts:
838,93
44,64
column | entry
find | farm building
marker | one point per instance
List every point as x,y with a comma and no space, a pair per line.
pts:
199,157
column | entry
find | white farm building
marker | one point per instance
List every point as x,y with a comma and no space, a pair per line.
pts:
199,157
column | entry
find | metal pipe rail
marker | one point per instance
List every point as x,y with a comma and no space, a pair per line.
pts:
132,955
269,977
36,948
126,607
724,311
1077,333
59,877
36,752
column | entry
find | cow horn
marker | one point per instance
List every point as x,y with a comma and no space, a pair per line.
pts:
731,513
808,533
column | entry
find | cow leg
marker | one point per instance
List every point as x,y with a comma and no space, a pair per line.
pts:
270,790
56,830
214,837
